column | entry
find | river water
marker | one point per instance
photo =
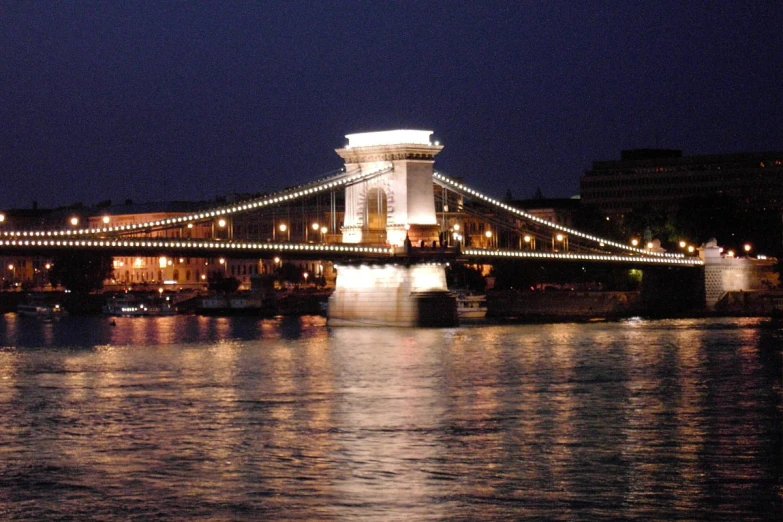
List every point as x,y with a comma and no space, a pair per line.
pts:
195,418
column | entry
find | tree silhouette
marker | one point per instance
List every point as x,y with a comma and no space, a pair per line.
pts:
81,272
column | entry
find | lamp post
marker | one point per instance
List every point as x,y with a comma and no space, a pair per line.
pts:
324,230
316,228
283,229
561,239
488,234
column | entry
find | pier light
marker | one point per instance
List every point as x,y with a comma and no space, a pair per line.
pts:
746,247
222,223
74,221
2,217
730,253
650,245
324,230
222,261
683,244
635,242
559,237
305,276
691,249
488,233
456,227
190,225
316,227
527,238
106,220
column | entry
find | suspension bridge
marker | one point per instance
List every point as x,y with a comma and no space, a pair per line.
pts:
387,207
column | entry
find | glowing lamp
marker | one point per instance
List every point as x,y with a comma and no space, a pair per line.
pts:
106,220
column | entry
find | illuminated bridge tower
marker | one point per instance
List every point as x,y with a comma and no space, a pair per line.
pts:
386,209
380,209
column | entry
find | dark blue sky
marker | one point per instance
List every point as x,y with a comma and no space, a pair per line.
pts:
190,100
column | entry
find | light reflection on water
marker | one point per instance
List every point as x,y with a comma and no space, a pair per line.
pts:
239,419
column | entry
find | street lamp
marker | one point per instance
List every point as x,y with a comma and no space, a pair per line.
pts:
635,242
324,230
746,247
283,228
2,217
683,244
560,238
106,220
74,221
488,233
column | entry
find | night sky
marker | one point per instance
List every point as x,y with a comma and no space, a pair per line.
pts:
159,101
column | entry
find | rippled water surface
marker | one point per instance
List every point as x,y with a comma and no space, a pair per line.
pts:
192,418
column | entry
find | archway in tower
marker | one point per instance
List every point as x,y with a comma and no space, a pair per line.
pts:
375,222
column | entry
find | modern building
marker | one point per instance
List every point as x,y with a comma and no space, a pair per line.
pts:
664,177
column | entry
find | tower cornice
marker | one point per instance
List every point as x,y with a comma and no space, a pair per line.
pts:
389,153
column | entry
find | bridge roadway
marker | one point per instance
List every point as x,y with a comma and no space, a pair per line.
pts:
339,252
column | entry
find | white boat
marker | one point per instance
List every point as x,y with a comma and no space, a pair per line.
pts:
471,306
36,306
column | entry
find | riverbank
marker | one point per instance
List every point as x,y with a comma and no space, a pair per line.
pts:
528,307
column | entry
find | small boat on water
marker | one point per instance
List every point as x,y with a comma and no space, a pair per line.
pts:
36,306
470,306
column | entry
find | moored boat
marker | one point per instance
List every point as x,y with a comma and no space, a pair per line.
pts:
470,306
36,306
130,306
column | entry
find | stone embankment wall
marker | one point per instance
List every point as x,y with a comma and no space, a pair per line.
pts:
767,303
562,305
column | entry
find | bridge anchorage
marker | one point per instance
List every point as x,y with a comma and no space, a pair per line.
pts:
401,223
